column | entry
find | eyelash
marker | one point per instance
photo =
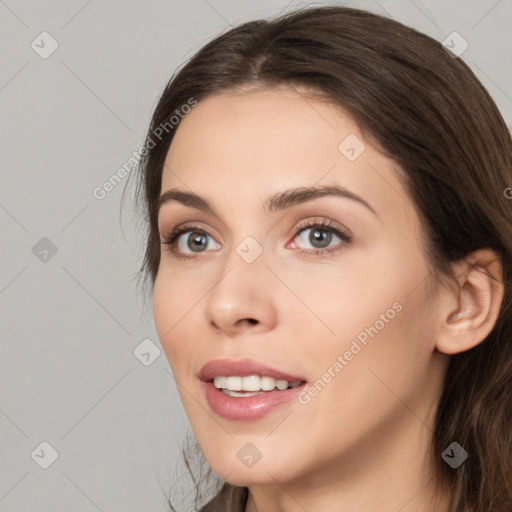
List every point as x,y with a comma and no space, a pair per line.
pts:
324,225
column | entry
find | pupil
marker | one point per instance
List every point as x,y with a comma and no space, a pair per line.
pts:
196,240
318,237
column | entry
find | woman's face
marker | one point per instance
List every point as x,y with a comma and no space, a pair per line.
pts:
329,287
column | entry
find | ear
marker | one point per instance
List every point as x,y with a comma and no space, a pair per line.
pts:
470,306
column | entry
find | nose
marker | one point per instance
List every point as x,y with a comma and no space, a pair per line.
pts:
242,299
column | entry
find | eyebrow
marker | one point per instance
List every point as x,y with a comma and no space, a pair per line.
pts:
280,201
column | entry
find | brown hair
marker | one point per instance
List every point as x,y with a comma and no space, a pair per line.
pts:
427,111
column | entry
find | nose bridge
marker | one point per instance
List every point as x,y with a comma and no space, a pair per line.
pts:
243,290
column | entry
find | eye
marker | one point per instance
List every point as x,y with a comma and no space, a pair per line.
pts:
322,237
189,240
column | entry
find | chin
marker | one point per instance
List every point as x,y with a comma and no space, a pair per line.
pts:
261,472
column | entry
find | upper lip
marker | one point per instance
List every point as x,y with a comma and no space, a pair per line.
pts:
243,368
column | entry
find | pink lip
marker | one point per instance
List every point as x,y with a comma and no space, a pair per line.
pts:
245,408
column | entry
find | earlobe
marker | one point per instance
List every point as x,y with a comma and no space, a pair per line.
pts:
473,303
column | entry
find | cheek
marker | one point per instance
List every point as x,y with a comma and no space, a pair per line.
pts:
387,351
361,388
172,303
349,295
373,312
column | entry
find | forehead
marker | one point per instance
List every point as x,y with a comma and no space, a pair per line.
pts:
273,124
253,143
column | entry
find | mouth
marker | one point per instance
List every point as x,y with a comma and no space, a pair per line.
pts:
247,390
252,385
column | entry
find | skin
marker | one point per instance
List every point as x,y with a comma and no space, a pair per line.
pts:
362,442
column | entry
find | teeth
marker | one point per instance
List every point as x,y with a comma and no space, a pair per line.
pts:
239,394
267,383
281,384
252,383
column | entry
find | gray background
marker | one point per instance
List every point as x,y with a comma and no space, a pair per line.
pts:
72,320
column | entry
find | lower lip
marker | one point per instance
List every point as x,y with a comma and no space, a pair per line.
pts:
249,408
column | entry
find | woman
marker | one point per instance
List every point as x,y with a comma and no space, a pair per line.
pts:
330,254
